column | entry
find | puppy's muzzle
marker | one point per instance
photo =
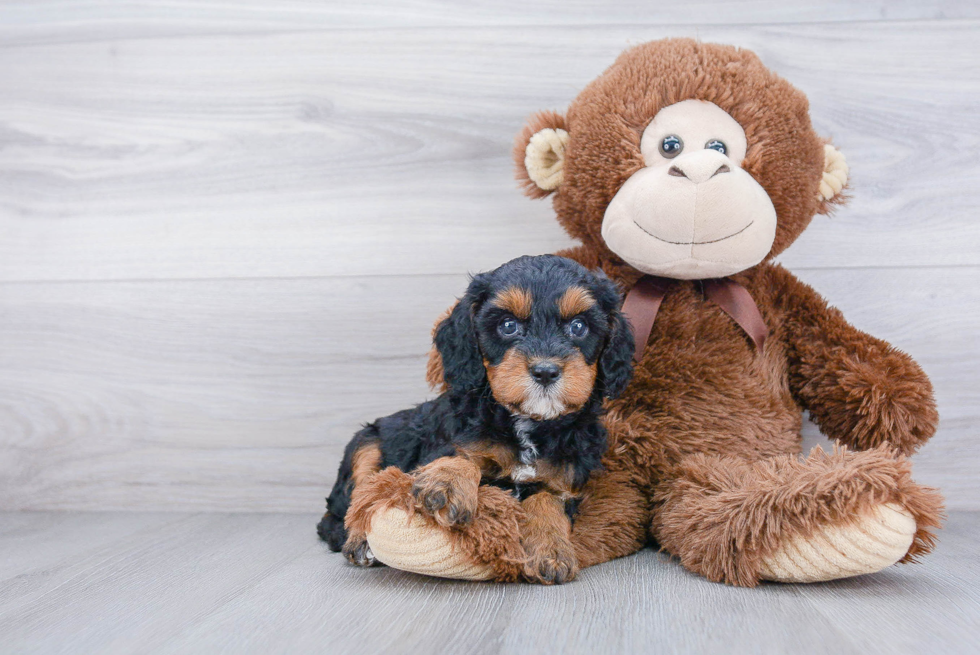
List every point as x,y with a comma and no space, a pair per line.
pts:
545,373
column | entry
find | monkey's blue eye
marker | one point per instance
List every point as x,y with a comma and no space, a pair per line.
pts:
508,327
715,144
671,146
577,328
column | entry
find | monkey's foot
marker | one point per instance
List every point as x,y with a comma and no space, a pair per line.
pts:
404,535
416,545
878,539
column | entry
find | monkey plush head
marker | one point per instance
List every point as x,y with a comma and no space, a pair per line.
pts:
683,160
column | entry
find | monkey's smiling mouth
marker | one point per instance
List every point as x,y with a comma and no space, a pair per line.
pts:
694,243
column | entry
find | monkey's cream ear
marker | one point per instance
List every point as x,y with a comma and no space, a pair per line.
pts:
544,158
539,154
834,173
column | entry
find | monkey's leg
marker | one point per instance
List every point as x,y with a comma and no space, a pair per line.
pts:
826,517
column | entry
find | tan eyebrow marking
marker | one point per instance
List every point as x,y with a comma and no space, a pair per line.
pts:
575,301
515,300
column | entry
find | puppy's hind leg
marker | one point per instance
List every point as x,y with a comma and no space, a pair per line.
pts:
331,529
362,459
358,552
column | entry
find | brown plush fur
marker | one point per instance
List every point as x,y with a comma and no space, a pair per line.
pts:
704,444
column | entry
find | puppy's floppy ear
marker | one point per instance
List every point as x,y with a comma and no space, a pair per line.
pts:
539,154
456,340
616,361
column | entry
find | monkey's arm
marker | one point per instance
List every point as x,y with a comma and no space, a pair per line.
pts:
858,389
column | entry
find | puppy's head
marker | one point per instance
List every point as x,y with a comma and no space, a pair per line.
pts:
545,333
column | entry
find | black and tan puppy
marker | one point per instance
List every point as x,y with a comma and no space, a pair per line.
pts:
529,354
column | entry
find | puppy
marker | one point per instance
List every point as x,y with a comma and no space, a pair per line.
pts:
528,354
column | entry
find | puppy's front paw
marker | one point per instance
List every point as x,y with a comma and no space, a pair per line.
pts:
358,553
551,565
447,491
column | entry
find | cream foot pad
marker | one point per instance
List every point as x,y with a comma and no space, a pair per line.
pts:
877,541
414,545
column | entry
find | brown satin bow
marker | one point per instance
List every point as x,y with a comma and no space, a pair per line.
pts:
643,302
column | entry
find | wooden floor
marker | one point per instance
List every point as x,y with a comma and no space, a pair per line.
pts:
177,583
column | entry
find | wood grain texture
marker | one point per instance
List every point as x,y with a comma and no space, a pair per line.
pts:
31,20
250,583
329,152
240,394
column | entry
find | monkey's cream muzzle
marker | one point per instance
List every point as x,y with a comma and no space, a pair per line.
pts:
697,214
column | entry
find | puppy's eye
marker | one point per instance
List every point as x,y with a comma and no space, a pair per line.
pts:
508,327
715,144
671,146
577,328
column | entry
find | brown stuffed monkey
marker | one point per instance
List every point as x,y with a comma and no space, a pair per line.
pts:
688,167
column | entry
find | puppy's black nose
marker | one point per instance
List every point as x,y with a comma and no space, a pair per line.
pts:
545,373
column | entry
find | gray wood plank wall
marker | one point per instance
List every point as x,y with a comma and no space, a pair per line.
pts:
226,229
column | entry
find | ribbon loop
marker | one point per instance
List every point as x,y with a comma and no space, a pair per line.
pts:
641,306
736,301
643,303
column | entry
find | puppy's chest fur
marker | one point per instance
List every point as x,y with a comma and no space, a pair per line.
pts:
536,456
527,454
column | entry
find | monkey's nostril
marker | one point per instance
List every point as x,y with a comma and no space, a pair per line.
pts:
722,169
676,172
545,373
